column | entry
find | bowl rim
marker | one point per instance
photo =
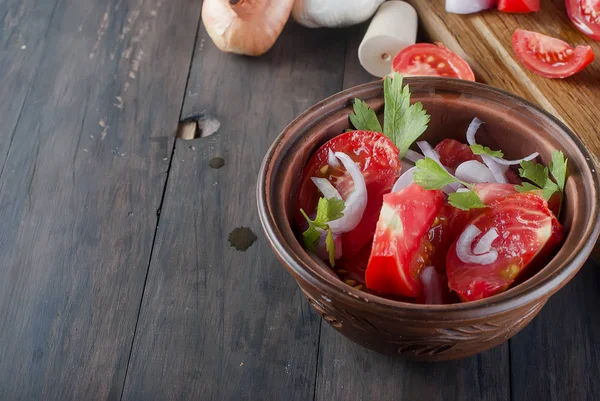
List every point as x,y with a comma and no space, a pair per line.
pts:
528,291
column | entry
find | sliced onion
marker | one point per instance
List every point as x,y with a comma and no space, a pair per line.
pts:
405,180
356,201
474,172
428,151
495,169
434,286
463,248
468,6
485,243
513,162
326,188
332,160
413,156
322,246
472,130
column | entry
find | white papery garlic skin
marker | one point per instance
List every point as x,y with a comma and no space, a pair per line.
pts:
333,13
248,27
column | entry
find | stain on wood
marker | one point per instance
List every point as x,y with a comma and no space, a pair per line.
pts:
241,238
78,198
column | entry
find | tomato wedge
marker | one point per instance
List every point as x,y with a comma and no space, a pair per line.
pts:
378,159
426,59
519,6
550,57
585,15
525,229
400,245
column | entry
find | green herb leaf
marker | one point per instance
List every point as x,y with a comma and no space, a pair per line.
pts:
549,189
430,175
403,123
327,210
484,150
526,187
536,173
330,246
558,168
465,200
364,117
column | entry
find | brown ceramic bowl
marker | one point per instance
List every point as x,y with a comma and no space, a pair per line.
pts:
431,332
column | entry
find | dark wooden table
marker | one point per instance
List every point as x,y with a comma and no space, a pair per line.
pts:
118,280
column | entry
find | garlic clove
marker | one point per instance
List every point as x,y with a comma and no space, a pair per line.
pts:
248,27
333,13
393,28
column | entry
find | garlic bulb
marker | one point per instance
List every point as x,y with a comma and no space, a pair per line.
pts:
333,13
248,27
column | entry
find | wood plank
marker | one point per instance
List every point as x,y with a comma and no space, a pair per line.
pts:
79,193
218,323
22,41
485,40
557,357
349,372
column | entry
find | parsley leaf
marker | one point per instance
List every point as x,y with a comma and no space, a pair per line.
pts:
558,168
465,200
430,175
536,173
327,210
364,117
484,150
403,123
539,175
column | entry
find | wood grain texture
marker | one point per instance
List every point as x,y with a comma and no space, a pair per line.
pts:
23,28
218,323
80,188
485,41
349,372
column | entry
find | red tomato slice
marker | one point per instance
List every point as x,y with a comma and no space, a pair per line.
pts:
585,15
400,245
426,59
378,159
526,228
519,6
453,153
550,57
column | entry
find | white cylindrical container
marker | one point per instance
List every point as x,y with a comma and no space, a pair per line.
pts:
393,28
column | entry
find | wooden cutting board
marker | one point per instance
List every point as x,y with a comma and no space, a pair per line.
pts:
484,40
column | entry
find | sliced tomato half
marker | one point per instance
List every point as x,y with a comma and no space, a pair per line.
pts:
378,159
548,56
519,6
525,229
426,59
400,246
585,15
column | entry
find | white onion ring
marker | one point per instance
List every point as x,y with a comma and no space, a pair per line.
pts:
428,151
413,156
474,172
405,180
472,130
463,248
331,159
326,188
505,162
485,243
433,286
495,169
356,202
468,6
